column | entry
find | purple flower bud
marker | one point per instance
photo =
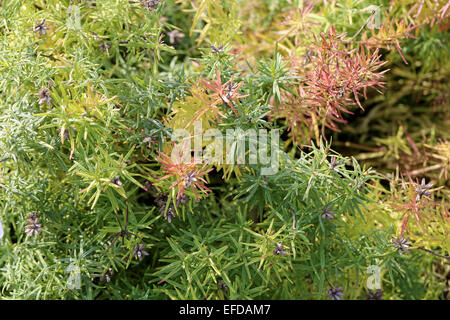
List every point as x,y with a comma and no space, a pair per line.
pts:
139,251
279,249
41,27
117,181
375,295
216,50
44,96
150,4
33,229
327,214
336,293
401,244
422,189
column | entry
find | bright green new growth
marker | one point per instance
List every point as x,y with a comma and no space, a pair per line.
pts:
90,94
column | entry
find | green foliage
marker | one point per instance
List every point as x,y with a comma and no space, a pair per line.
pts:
91,96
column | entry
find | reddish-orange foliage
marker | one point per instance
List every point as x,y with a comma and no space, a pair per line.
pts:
415,206
224,93
334,77
188,175
389,34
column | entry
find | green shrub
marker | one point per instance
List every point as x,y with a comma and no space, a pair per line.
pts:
93,206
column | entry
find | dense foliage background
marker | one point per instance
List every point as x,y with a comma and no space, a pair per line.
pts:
92,91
